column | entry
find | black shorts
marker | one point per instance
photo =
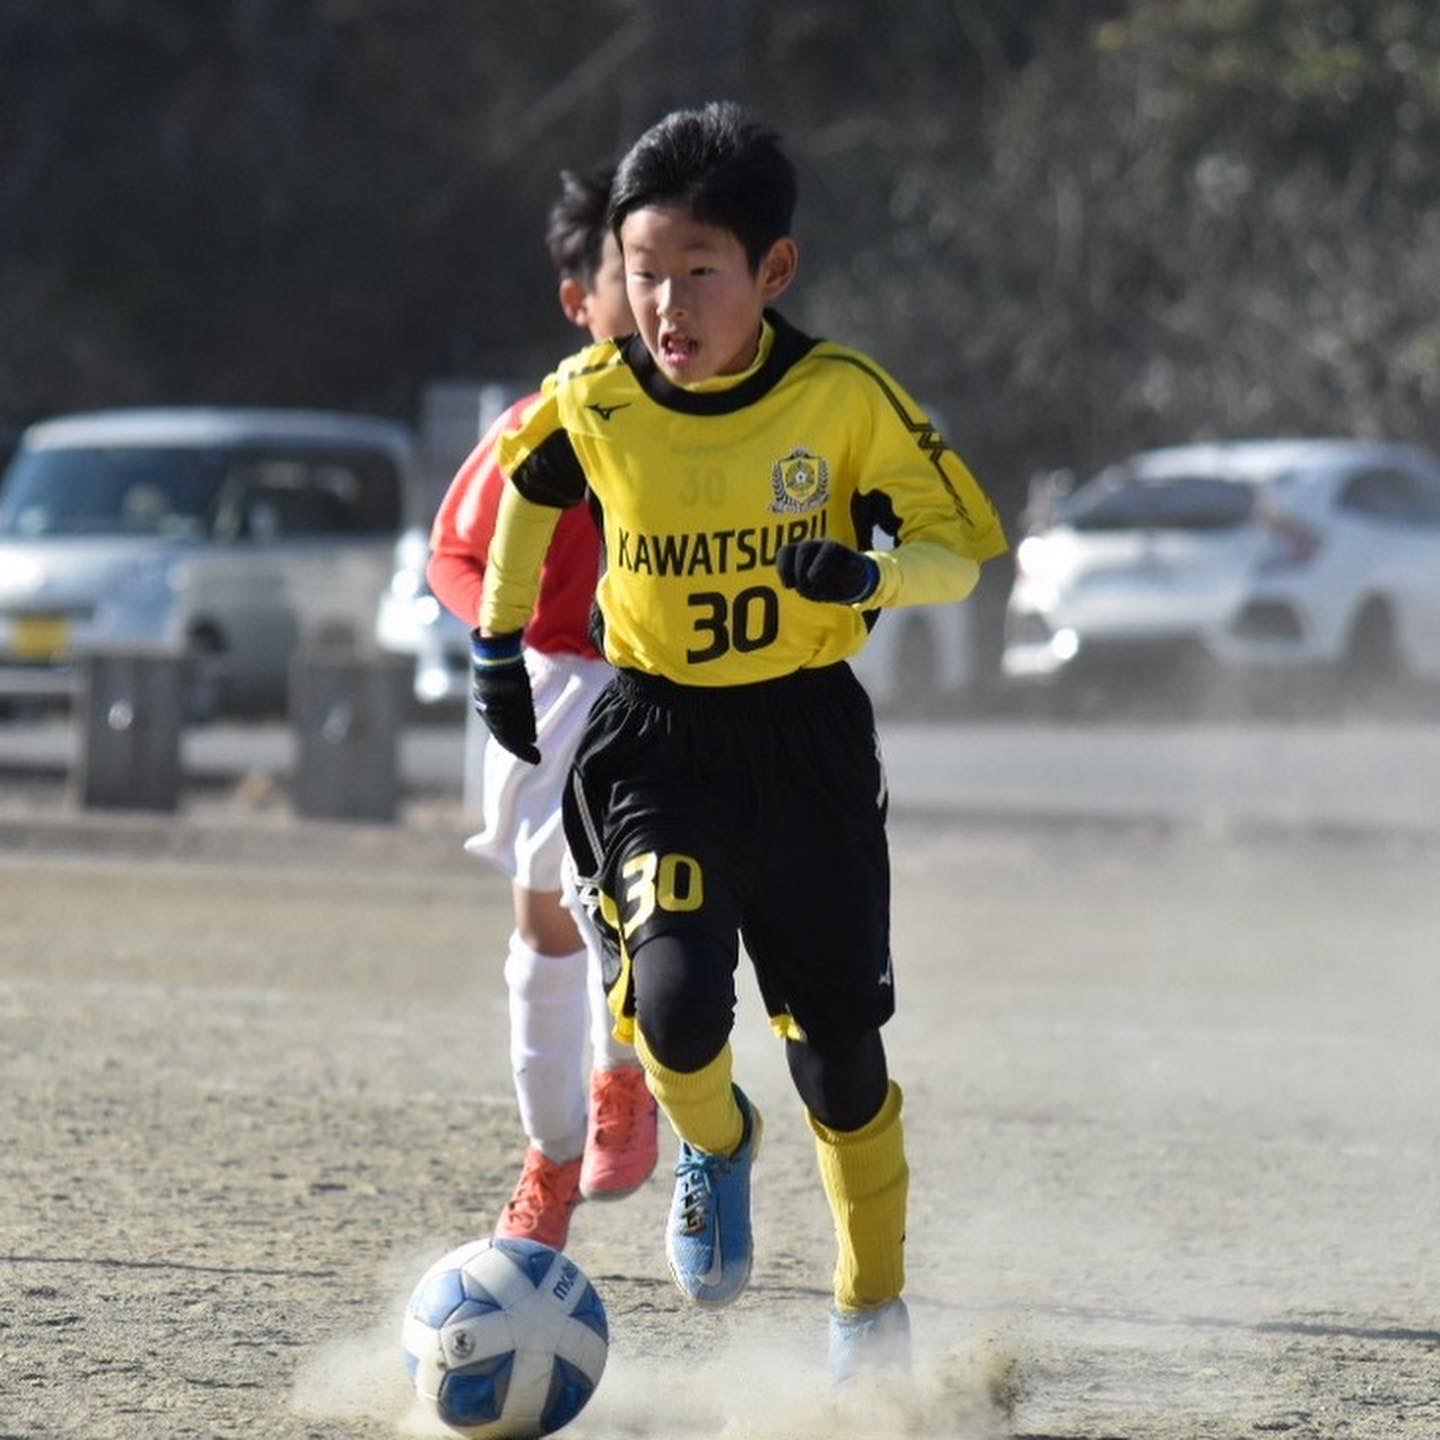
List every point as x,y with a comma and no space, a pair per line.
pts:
756,811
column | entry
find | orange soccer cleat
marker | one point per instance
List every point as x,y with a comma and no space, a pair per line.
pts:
620,1149
545,1197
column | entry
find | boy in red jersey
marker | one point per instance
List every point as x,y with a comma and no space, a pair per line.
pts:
553,978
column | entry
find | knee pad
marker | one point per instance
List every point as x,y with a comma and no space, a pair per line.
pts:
843,1081
684,999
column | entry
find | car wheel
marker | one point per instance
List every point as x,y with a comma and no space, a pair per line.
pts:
1208,691
1080,698
1373,649
204,702
1372,666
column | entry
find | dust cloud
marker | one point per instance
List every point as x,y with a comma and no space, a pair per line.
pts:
769,1384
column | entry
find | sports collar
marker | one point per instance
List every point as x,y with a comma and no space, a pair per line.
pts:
788,346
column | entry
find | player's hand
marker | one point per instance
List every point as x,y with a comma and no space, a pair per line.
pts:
827,570
501,687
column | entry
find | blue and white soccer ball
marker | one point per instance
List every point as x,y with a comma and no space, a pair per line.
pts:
505,1339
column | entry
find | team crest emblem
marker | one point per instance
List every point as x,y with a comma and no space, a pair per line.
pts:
800,480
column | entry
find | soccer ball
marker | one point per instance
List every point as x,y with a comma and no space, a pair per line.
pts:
505,1339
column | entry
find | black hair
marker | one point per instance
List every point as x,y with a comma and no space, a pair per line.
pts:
575,231
721,163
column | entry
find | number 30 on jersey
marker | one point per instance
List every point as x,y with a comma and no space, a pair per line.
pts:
748,622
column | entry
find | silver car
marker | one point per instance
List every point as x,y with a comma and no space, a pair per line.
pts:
232,536
1260,558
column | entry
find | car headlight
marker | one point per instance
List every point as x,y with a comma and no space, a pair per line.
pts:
1066,643
407,584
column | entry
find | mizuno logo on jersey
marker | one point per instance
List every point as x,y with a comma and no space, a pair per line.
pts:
711,552
606,411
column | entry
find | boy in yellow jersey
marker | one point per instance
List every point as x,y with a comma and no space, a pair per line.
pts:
729,782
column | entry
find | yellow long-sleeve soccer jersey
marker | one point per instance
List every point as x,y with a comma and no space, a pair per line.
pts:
698,487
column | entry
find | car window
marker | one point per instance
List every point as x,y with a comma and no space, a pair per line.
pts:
1182,502
111,491
285,494
1395,496
182,491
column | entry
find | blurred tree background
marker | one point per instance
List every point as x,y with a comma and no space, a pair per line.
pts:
1073,228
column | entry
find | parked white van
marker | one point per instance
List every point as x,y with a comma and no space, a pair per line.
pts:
230,535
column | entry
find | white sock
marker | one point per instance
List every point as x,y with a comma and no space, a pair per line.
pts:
547,1046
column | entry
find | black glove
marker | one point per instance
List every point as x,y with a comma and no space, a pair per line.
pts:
827,570
501,687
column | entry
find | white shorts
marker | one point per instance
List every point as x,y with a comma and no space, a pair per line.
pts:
520,803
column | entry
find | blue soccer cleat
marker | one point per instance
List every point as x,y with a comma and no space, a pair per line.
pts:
869,1341
707,1239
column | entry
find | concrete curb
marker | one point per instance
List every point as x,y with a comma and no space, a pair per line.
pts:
264,839
1222,828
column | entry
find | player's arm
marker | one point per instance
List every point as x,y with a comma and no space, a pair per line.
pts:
830,570
465,524
921,572
944,524
543,478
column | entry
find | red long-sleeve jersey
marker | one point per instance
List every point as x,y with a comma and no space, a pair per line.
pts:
460,541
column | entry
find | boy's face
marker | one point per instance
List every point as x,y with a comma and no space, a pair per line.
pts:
696,301
603,309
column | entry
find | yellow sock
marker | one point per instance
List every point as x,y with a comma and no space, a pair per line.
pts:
867,1183
701,1105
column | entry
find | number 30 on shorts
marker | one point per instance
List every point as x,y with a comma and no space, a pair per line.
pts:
669,882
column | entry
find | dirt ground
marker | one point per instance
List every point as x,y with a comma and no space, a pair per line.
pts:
1170,1110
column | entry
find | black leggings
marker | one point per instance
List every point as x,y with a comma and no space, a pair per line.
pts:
685,1006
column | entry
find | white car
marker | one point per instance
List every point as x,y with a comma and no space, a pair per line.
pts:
1264,555
231,536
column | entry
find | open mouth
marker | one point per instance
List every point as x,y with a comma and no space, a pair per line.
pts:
678,349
